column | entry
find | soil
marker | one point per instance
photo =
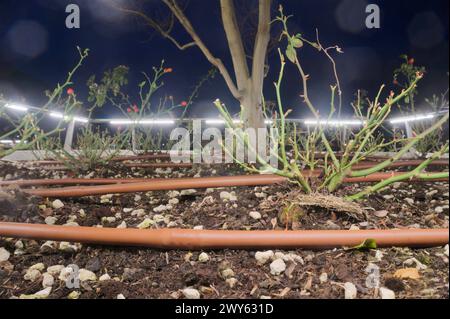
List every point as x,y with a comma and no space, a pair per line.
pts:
150,273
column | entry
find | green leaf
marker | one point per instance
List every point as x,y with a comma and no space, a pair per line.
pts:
296,43
291,54
367,244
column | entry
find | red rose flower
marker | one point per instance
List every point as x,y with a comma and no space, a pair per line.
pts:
135,108
395,82
128,110
184,104
411,61
70,91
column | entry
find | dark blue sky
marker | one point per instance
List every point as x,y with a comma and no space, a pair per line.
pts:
417,28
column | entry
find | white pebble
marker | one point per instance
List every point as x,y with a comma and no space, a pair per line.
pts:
47,280
386,293
203,258
4,254
57,204
255,215
263,256
350,290
191,293
277,267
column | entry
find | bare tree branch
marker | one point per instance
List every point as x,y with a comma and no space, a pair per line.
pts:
235,43
156,26
179,14
261,44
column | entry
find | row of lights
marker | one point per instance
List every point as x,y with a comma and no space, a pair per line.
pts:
407,119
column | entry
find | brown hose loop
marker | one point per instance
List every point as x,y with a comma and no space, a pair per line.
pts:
188,183
226,239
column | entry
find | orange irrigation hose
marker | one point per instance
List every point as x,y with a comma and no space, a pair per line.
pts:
159,165
187,183
142,157
160,184
73,181
231,239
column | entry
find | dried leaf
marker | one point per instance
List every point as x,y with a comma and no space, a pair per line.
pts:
407,273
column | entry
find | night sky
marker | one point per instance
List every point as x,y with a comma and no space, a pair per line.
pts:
417,28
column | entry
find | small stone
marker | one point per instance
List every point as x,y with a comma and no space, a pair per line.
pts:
350,290
225,195
227,273
158,218
174,201
74,295
188,192
138,212
446,250
127,210
439,210
32,275
137,198
255,215
432,193
331,225
263,256
203,258
378,255
38,266
47,280
86,275
323,278
57,204
105,199
198,227
173,194
65,273
82,213
120,296
231,282
71,224
410,201
39,295
109,219
93,264
386,293
122,225
381,213
388,197
50,220
191,293
4,254
68,247
104,277
147,223
161,208
55,270
277,267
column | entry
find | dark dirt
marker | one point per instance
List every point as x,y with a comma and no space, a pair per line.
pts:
149,273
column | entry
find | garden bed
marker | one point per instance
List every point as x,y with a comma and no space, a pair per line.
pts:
149,273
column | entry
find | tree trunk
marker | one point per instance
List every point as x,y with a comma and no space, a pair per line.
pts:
251,107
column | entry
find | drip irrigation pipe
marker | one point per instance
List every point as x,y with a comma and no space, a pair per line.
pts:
226,239
158,165
159,185
105,181
188,183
